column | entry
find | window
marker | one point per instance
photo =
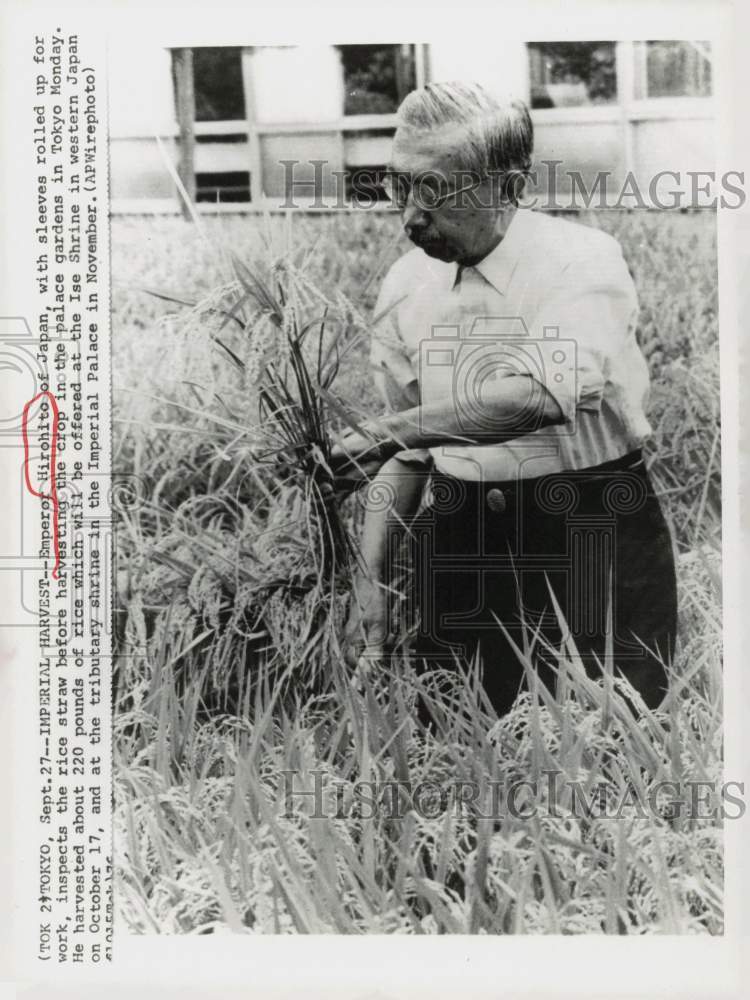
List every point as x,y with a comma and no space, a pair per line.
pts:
376,77
213,162
217,84
222,187
673,69
572,74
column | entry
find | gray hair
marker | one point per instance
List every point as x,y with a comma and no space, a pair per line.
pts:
499,134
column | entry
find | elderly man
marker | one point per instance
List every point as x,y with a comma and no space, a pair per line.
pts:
507,356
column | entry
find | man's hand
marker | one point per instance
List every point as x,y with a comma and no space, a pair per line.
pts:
366,635
357,459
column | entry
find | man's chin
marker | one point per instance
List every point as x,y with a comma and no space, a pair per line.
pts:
437,250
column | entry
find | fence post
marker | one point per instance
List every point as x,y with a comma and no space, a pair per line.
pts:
253,139
185,100
625,69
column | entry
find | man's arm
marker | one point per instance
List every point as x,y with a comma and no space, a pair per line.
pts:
520,405
394,496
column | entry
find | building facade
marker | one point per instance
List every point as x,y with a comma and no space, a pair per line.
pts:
233,118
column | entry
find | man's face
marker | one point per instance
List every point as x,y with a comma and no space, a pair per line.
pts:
464,229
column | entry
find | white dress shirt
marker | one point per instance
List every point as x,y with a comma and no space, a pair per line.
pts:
554,301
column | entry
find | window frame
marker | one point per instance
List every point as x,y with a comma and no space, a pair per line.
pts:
378,120
595,111
627,103
256,131
640,73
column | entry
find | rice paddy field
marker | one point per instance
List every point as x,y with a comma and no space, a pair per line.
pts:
239,347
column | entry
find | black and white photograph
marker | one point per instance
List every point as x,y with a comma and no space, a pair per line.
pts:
418,615
372,476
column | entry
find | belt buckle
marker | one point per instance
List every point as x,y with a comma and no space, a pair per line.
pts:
496,500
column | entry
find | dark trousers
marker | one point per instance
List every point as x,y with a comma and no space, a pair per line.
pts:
493,551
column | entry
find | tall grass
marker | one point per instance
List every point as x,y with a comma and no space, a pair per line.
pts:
229,676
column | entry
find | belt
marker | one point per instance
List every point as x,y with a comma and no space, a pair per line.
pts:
500,495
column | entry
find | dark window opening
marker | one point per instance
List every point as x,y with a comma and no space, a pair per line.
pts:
217,83
227,187
572,74
371,133
230,137
376,77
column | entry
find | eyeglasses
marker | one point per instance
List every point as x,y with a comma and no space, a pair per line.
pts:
429,191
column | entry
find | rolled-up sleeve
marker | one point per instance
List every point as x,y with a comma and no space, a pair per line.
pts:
392,371
587,317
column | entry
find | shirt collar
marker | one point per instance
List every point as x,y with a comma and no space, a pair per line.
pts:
498,266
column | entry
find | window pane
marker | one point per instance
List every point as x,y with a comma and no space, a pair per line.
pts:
376,77
571,74
677,69
232,186
219,93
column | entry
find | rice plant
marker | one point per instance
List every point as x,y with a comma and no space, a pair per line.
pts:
232,696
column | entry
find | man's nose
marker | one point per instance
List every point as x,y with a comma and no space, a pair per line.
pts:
414,218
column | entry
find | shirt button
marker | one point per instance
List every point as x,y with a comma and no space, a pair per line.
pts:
496,501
